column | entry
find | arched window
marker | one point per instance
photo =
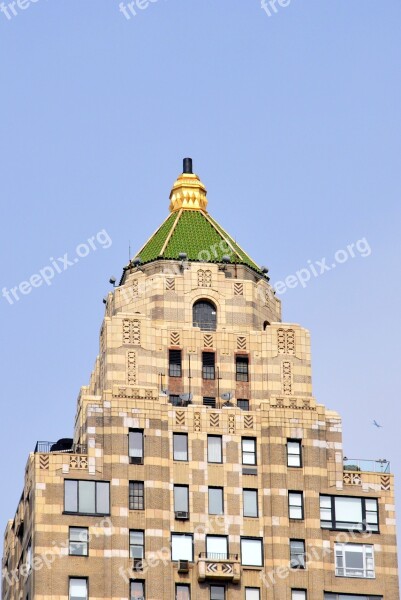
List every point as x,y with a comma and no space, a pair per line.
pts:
205,315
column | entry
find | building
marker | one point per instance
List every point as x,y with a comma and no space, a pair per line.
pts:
201,465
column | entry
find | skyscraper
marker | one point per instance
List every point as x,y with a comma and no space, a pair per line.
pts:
201,466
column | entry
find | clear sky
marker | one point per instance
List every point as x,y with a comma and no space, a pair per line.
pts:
294,124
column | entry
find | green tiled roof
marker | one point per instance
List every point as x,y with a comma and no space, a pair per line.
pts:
198,235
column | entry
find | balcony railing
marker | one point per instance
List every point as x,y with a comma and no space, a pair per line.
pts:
367,466
47,447
223,567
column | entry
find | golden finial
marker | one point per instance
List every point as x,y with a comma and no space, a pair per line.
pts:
188,192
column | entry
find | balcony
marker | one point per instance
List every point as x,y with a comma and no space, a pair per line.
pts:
367,466
65,446
219,567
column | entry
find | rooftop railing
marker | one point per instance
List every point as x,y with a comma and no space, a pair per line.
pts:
380,465
47,447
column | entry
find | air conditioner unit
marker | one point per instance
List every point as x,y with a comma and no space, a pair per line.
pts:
137,564
182,515
183,566
136,460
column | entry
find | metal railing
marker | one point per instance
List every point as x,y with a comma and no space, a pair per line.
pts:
216,556
372,466
47,447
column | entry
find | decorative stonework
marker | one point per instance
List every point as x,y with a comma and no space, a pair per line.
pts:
238,289
132,332
204,278
385,483
215,420
286,378
44,461
208,341
351,478
174,338
297,403
241,343
120,391
286,341
180,418
77,461
197,421
135,288
248,421
231,423
170,284
131,368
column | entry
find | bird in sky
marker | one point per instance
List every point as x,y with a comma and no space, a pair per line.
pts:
376,424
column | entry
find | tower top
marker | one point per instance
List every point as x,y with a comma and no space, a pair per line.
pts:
188,191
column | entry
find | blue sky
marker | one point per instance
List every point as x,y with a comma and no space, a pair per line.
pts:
294,125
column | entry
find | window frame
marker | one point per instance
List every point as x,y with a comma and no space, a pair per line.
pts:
221,490
132,483
251,589
247,452
242,374
333,523
143,583
217,555
85,513
254,539
84,543
255,492
136,460
215,462
341,546
244,408
181,534
131,545
78,578
214,585
186,488
208,325
184,585
345,596
301,494
175,363
184,436
208,370
303,590
295,562
291,454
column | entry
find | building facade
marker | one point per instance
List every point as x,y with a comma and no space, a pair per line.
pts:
201,466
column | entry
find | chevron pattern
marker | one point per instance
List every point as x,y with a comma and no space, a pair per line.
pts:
170,285
180,418
175,338
238,289
44,462
385,483
215,420
241,343
248,422
208,341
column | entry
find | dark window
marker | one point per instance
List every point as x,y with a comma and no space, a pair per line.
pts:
296,505
350,513
182,592
294,453
136,544
217,592
214,449
208,365
181,498
248,451
87,497
136,446
242,368
180,446
78,588
175,366
297,554
137,590
175,400
204,315
136,495
216,501
208,401
243,404
250,498
78,541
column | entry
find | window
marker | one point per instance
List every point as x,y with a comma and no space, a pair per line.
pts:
136,446
182,592
355,560
136,544
181,498
248,451
217,592
297,554
243,404
208,365
87,497
204,315
137,590
294,455
329,596
241,368
78,589
296,505
209,401
180,446
250,498
252,593
181,546
298,595
344,512
174,363
136,495
214,449
175,400
251,552
216,501
78,541
217,547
